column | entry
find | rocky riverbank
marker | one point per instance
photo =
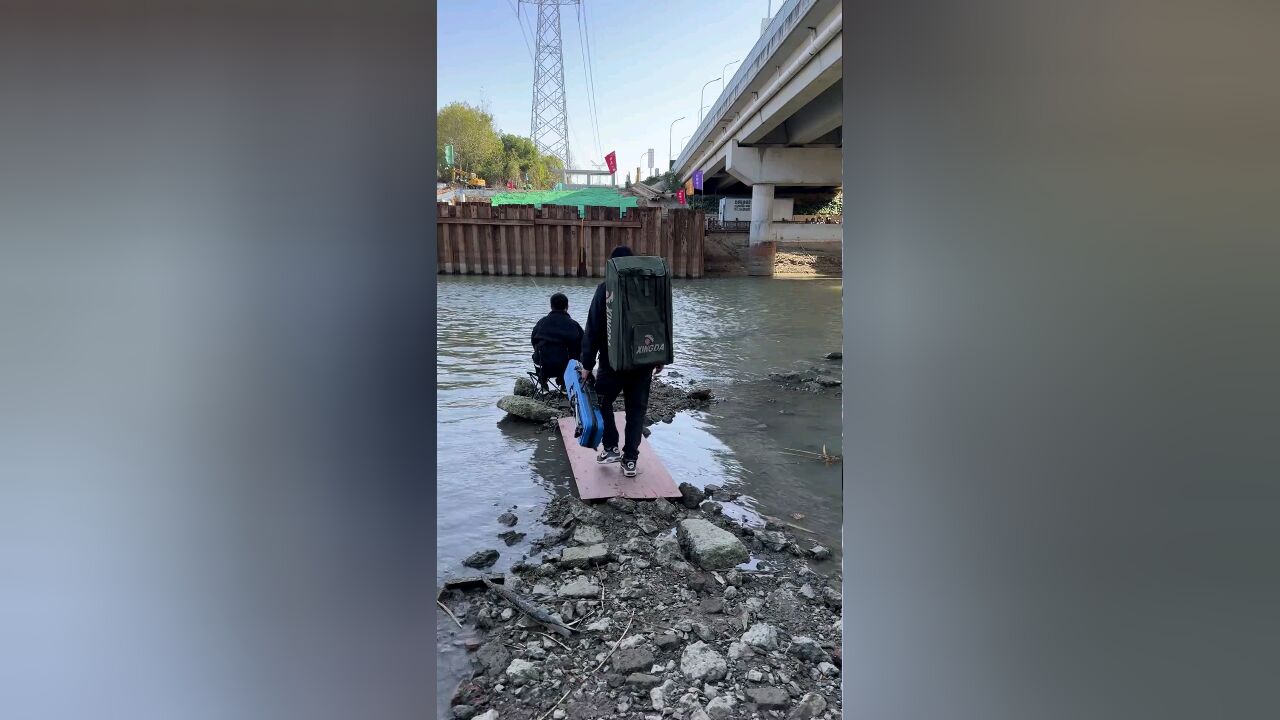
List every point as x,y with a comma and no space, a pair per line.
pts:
528,403
676,612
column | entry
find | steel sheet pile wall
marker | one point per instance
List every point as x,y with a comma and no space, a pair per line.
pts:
476,238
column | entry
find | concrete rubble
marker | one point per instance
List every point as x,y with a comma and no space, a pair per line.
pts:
668,622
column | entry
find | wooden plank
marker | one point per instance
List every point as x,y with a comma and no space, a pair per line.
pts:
517,248
615,233
598,223
668,242
588,256
460,242
486,239
561,234
480,221
477,241
574,233
682,241
601,242
504,257
544,243
575,246
650,238
442,238
554,259
468,239
654,226
530,245
569,262
699,236
597,482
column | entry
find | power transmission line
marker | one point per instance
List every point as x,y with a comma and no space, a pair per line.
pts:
595,109
586,77
523,34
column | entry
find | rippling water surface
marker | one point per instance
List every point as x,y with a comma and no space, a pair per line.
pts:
729,334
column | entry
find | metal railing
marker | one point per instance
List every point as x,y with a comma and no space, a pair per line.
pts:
779,28
714,225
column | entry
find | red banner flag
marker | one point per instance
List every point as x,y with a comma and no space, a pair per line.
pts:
612,161
680,195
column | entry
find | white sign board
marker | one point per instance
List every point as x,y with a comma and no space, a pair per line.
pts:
739,209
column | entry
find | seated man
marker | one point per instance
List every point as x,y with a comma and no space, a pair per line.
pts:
556,338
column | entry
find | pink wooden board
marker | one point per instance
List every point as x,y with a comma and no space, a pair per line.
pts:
598,482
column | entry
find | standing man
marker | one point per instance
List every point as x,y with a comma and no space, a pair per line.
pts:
556,339
632,384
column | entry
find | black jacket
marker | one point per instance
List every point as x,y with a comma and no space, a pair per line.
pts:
556,338
597,339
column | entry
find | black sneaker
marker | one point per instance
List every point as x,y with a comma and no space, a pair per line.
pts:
629,468
608,455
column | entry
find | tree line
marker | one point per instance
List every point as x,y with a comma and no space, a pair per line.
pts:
497,157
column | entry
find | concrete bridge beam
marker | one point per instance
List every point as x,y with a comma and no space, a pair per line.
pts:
811,167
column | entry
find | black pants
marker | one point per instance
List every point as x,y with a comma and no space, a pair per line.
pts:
634,387
553,372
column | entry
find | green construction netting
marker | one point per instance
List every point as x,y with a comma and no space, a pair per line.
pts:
600,197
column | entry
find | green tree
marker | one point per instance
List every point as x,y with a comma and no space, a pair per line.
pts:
518,155
476,146
545,173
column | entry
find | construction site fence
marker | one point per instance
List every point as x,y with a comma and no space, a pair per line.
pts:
477,238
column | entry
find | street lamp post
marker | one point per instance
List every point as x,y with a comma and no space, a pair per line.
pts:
702,95
670,157
725,72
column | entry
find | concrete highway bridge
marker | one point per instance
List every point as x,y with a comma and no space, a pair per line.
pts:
776,128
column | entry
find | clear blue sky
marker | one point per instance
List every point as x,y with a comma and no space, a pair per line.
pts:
649,59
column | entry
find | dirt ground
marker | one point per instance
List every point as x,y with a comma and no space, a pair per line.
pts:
726,256
809,260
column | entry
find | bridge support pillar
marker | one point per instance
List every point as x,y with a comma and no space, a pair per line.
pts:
762,245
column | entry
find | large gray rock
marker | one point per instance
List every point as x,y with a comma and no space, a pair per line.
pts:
811,706
667,641
761,635
710,546
587,535
482,559
701,663
528,409
643,681
491,715
622,504
525,388
662,507
493,657
666,550
691,496
583,556
580,588
783,600
772,539
631,661
721,708
522,670
808,649
769,697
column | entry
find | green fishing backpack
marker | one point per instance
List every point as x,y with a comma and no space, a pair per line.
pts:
637,305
